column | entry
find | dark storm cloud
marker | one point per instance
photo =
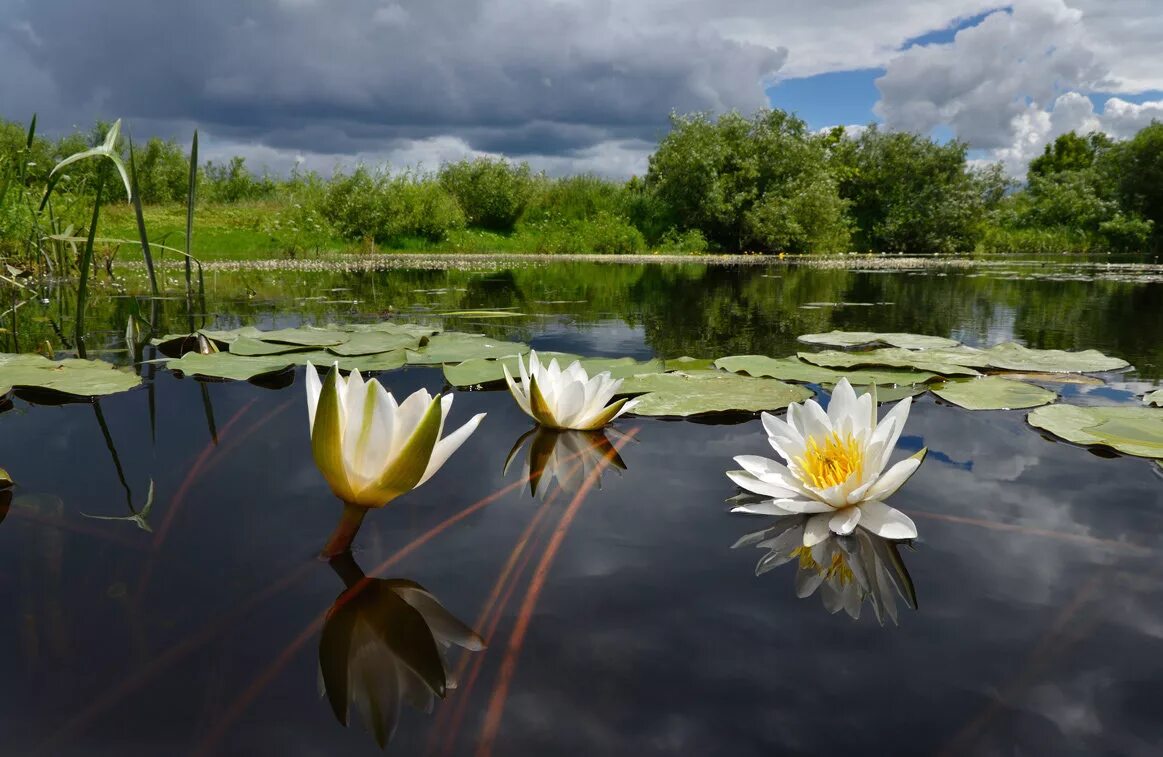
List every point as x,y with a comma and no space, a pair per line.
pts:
519,76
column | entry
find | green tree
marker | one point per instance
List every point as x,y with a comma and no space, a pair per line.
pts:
492,193
1139,166
1069,152
909,193
744,183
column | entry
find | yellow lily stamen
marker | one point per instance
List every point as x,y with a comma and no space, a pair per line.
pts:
832,462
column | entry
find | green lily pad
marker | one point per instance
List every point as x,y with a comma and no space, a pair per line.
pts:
794,369
888,393
993,393
455,347
1132,430
306,336
482,313
890,357
1154,398
894,339
686,363
1011,356
251,347
381,361
696,392
483,371
226,365
391,327
373,342
228,336
79,378
1039,377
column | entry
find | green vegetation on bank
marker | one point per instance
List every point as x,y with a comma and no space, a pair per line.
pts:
731,183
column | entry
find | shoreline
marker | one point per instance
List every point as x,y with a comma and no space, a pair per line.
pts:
356,262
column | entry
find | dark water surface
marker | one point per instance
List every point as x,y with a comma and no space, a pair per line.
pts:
619,620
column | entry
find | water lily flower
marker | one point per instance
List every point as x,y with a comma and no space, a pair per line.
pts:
384,642
835,467
568,398
567,457
371,449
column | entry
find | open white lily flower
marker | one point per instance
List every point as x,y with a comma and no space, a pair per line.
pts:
568,398
370,449
835,467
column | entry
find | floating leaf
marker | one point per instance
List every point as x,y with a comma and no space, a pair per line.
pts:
888,393
484,371
306,336
455,347
993,393
1079,379
685,363
482,313
373,342
894,339
1014,357
79,378
1154,398
391,327
382,361
250,347
1132,430
225,365
794,369
683,394
892,357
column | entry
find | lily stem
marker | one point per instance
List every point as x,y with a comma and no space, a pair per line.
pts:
345,532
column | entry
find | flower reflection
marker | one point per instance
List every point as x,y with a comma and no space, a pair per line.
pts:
844,570
567,457
383,643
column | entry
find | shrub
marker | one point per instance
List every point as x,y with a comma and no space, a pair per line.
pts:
387,208
492,193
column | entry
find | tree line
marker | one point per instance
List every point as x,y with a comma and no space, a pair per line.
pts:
733,183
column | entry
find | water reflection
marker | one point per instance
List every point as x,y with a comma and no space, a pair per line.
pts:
844,570
384,643
567,457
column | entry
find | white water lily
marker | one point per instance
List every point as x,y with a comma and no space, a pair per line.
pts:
370,449
835,467
568,458
568,398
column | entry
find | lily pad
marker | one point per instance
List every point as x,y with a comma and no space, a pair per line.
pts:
888,393
392,327
455,347
890,357
381,361
1014,357
482,313
1132,430
79,378
373,342
485,371
993,393
226,365
696,392
686,363
251,347
794,369
893,339
1037,377
1154,398
306,336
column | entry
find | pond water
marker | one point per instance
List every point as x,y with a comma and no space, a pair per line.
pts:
618,618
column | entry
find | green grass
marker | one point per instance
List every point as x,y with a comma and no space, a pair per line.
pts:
266,230
244,231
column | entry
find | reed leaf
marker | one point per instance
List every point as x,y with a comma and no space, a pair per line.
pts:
86,264
135,199
190,211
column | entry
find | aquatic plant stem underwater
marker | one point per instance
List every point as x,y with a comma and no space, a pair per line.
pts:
349,525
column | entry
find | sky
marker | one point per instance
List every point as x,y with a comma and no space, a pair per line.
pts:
572,85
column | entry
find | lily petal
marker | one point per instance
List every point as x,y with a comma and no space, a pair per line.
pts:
816,530
895,477
886,522
845,521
